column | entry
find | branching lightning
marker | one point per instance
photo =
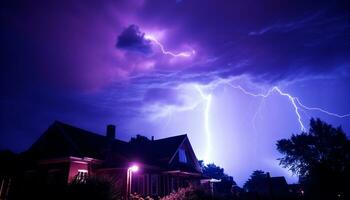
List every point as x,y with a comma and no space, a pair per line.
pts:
295,102
321,110
292,99
165,52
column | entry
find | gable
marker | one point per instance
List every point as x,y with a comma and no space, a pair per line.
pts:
52,144
185,158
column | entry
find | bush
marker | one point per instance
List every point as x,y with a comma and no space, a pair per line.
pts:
94,188
139,197
188,193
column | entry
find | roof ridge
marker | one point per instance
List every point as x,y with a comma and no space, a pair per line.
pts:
171,137
81,129
84,130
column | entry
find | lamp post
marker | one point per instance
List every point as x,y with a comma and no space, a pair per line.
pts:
133,168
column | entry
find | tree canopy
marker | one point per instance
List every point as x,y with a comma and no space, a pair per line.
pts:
321,157
323,144
139,139
252,183
213,171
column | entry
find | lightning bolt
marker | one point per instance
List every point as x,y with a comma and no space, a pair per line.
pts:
165,52
207,99
295,102
292,99
321,110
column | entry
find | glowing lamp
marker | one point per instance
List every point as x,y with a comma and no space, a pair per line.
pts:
134,168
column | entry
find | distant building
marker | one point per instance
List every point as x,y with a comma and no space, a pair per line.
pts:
64,153
271,188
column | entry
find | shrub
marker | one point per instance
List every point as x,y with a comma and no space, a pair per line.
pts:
94,188
139,197
188,193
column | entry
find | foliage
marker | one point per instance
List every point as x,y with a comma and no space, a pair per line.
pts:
188,193
139,139
323,144
253,182
321,157
9,163
139,197
94,188
213,171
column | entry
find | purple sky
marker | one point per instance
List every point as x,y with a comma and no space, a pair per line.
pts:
162,68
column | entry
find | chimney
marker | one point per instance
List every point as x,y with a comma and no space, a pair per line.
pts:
110,133
268,175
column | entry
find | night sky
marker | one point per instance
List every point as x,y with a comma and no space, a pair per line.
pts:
236,76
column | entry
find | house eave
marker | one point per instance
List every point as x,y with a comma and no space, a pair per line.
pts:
180,172
70,159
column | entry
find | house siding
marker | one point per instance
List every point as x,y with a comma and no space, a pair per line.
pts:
75,167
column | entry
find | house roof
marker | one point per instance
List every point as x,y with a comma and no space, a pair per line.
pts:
62,140
153,152
279,184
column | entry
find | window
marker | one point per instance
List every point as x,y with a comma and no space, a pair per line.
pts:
182,156
141,185
154,184
54,176
174,183
82,175
138,184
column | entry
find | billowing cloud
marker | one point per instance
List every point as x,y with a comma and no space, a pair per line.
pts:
132,39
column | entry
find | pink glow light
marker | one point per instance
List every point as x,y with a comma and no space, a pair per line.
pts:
134,168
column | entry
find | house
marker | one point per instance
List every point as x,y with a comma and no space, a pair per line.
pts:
147,167
270,188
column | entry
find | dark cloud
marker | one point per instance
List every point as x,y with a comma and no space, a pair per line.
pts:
279,39
132,39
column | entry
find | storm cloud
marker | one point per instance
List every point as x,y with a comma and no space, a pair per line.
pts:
133,39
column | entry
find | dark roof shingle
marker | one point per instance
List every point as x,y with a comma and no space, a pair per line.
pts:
78,142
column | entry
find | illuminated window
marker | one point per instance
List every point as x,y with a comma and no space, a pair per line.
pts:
182,156
82,175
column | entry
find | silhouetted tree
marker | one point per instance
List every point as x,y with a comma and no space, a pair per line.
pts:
254,181
8,161
213,171
94,188
139,139
321,157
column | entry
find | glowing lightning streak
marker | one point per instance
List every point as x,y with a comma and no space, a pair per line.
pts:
321,110
181,54
296,109
294,101
207,98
